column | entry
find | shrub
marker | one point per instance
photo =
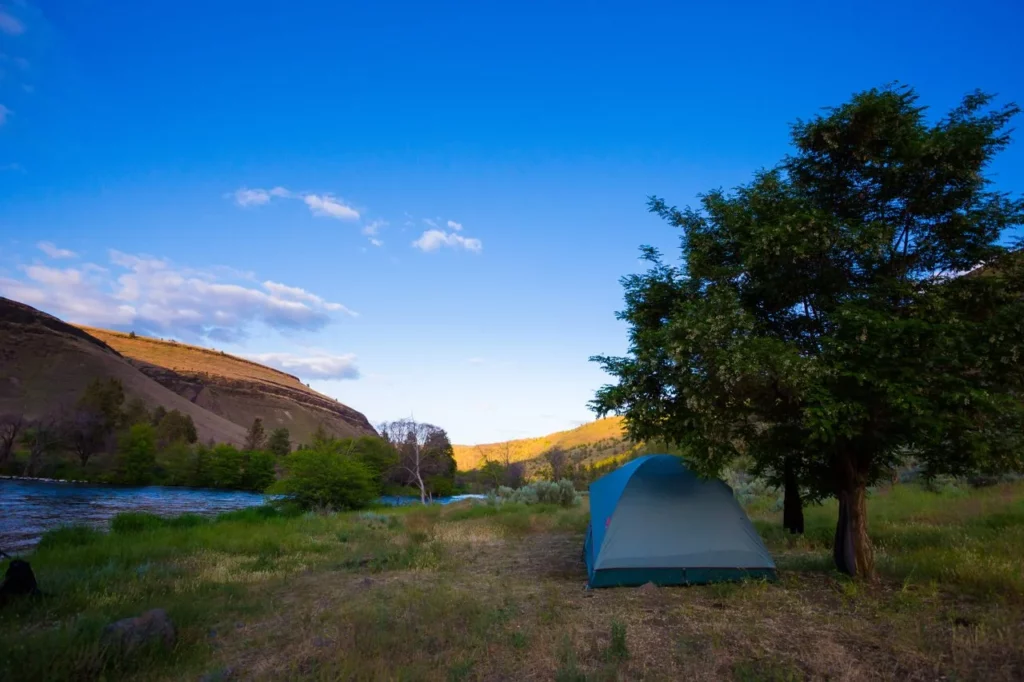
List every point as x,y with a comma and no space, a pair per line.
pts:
258,471
320,478
562,493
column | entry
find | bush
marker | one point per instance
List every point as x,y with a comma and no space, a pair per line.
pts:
562,493
258,473
321,478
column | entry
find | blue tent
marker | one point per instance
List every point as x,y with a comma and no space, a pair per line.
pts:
653,520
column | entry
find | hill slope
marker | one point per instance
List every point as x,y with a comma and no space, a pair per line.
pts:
585,444
236,389
45,364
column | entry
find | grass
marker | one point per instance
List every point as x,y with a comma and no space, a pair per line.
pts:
475,592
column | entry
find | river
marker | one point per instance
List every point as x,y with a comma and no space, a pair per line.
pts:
29,508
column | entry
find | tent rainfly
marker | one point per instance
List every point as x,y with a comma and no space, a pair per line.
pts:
653,520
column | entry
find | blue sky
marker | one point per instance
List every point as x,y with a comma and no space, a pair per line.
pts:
259,177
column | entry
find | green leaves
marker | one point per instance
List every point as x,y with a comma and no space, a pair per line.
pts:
818,314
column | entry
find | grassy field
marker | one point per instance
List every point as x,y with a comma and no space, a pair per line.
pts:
478,593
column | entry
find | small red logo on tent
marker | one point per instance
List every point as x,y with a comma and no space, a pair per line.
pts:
607,522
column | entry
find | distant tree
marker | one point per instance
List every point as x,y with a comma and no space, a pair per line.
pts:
279,442
226,466
11,425
818,323
87,432
326,479
43,436
137,454
378,455
176,426
135,412
159,412
179,463
256,438
320,436
556,458
515,475
423,449
105,397
258,470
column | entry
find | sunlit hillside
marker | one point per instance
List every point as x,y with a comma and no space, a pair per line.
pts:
597,440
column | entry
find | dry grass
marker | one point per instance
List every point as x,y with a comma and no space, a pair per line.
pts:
182,357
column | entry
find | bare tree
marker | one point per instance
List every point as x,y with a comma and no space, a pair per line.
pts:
87,433
43,436
424,450
10,426
556,457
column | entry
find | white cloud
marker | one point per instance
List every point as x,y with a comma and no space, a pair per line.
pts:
251,197
315,365
430,222
376,242
373,227
4,113
327,206
10,25
432,240
156,296
454,225
320,205
51,250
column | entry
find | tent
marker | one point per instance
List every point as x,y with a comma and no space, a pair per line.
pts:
653,520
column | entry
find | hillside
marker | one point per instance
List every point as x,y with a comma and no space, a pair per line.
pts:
589,443
45,364
236,389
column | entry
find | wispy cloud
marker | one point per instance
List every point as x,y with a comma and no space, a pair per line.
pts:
317,365
428,221
432,240
10,24
373,227
320,205
246,197
325,205
4,113
156,296
452,225
376,242
51,250
475,361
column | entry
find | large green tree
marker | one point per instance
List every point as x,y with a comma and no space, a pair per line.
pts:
820,320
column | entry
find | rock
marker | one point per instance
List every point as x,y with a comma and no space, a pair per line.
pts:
648,587
19,581
131,633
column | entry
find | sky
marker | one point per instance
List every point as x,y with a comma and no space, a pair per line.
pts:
419,208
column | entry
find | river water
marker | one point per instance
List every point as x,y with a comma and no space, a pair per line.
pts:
30,508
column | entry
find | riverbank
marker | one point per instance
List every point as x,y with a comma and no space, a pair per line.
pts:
473,592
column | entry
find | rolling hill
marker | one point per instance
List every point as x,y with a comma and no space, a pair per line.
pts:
45,364
587,444
234,388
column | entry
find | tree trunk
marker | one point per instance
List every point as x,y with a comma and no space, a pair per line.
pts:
423,488
792,505
852,550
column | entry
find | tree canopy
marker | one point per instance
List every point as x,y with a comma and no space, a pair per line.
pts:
820,320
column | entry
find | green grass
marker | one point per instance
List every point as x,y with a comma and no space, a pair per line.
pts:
473,592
